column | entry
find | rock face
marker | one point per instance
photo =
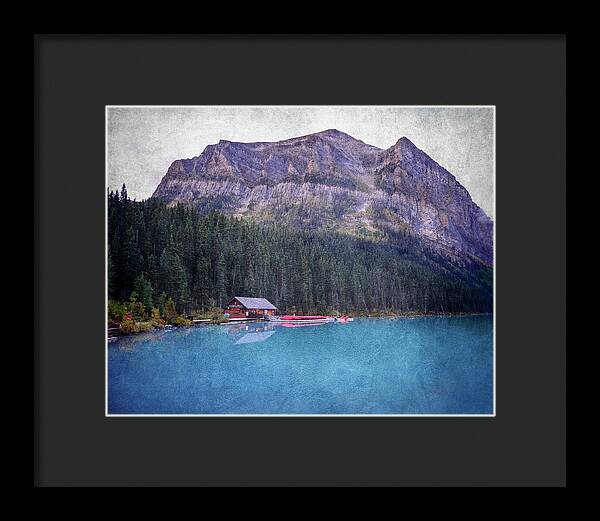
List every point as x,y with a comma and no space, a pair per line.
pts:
331,179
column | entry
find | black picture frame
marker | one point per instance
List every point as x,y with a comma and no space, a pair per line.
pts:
77,76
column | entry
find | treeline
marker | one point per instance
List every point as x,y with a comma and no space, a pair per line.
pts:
159,253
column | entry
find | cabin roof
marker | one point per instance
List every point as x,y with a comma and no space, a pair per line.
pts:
254,303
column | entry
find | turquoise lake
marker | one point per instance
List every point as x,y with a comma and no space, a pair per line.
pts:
425,365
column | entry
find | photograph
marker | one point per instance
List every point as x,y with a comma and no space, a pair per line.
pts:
300,260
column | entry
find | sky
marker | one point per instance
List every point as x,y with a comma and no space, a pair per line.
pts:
144,141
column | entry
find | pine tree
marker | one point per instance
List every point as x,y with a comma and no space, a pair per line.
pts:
201,288
170,312
221,281
110,275
173,278
144,291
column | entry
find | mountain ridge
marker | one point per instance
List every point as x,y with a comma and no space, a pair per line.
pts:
331,179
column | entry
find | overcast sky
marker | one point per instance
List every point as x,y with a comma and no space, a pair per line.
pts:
144,141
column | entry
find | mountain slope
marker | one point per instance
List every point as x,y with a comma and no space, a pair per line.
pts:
330,179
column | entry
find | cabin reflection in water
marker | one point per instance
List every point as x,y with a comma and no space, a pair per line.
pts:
250,338
254,333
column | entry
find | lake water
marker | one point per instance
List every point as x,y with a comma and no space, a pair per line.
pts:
428,365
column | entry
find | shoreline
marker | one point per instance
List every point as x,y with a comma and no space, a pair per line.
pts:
406,314
422,314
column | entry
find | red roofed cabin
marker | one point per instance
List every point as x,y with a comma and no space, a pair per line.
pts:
249,307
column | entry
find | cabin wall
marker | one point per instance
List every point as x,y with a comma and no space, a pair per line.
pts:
235,312
238,312
262,311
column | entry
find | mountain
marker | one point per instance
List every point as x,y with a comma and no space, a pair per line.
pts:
332,180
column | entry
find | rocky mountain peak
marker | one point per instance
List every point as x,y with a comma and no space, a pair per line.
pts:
405,142
404,147
334,132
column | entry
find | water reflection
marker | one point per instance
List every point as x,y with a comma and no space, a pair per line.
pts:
259,332
242,333
251,327
250,338
252,332
304,325
132,342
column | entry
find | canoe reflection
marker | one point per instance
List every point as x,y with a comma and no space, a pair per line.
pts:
301,325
